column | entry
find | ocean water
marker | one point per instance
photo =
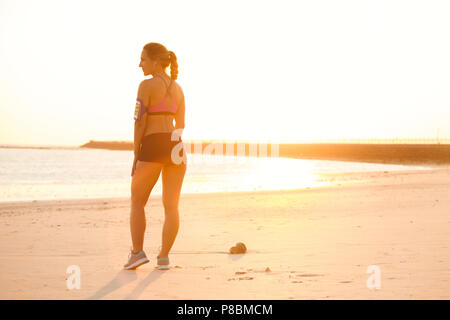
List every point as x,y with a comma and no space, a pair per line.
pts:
43,174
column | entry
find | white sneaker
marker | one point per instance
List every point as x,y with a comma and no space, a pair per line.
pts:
135,260
163,263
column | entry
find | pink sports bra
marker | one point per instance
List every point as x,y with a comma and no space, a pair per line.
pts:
160,108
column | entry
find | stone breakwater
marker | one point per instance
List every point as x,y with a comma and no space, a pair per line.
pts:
376,153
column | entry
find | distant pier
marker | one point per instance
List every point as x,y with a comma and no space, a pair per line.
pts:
361,152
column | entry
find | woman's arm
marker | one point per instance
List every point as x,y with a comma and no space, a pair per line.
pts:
140,122
139,130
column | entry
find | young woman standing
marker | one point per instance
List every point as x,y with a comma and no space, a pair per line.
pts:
158,149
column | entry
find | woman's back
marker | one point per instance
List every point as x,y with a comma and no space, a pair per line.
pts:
165,94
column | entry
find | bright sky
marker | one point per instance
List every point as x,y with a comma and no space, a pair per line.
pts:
250,70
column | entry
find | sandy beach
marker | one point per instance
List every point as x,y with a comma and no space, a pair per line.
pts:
313,243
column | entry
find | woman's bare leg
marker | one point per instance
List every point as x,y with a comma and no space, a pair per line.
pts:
172,180
143,181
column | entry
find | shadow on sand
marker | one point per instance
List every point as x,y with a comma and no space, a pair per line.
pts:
155,274
124,277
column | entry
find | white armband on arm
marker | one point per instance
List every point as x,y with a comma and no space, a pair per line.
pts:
139,110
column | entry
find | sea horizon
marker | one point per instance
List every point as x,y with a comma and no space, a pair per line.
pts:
83,173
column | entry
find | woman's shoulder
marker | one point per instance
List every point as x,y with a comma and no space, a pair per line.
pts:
178,87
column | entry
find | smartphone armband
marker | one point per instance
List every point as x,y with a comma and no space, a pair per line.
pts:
139,110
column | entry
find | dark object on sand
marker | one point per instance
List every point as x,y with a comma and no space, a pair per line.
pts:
238,248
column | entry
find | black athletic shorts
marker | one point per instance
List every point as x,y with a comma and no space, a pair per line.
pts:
157,147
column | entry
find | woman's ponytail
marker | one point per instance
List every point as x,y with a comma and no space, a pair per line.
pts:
173,65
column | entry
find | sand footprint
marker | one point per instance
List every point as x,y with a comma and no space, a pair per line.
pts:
245,278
